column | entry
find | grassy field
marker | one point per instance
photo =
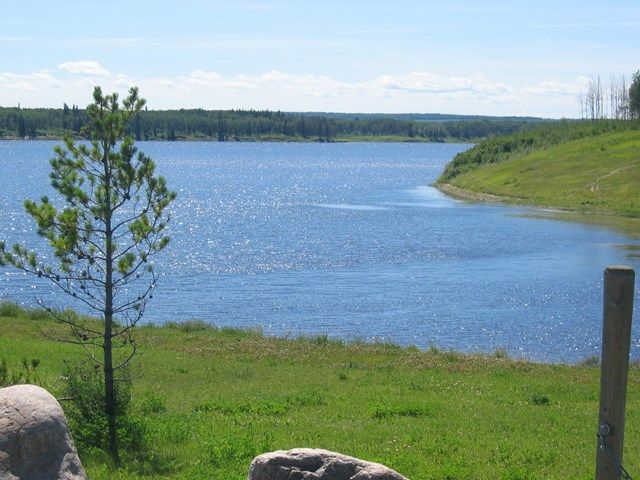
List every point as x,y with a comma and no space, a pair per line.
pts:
211,399
598,175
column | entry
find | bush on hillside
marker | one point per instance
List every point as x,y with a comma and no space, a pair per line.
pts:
84,386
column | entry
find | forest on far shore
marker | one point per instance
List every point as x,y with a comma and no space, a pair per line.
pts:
248,125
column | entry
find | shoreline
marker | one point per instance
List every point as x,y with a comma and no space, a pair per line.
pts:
629,226
13,309
463,194
200,328
363,139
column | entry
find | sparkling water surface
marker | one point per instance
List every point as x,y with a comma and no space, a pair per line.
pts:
350,240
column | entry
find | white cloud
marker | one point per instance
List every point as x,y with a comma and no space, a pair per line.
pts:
213,79
16,82
163,82
406,92
85,67
123,81
32,82
428,83
315,85
199,77
558,89
413,83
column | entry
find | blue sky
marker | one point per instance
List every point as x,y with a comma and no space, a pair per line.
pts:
484,57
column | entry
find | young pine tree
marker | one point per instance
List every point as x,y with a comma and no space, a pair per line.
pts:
103,239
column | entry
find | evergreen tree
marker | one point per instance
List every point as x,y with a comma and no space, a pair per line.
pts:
103,239
65,116
22,126
222,129
171,132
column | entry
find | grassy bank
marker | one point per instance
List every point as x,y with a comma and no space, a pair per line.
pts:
586,168
598,174
210,399
505,148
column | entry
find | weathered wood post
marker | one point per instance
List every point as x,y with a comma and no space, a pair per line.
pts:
616,341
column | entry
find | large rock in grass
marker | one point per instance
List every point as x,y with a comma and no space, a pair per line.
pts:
316,464
34,437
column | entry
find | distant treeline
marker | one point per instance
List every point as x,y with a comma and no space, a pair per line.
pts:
239,125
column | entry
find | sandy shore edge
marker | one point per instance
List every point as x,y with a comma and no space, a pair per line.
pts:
463,194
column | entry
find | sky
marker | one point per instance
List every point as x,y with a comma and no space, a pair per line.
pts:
463,57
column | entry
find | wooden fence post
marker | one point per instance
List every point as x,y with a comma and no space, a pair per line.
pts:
616,341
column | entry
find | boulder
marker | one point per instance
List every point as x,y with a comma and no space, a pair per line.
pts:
316,464
34,437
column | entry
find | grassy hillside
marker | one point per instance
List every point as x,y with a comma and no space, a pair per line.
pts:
594,168
210,399
598,174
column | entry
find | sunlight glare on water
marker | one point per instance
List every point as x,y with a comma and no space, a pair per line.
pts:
350,240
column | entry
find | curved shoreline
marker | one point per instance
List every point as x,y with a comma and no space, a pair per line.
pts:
470,195
629,226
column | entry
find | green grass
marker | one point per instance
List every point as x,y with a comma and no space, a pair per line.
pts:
513,146
596,175
212,398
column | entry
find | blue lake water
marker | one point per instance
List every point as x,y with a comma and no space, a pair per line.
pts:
350,240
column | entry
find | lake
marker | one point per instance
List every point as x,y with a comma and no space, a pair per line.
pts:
351,241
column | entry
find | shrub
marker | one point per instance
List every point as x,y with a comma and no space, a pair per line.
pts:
38,314
540,399
84,385
590,361
9,309
500,352
27,372
193,325
385,411
153,403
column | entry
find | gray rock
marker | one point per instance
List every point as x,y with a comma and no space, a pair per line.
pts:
316,464
34,437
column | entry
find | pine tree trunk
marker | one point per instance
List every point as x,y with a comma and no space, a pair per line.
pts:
109,390
109,381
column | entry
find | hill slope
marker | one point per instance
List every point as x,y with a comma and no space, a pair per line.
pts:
596,174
